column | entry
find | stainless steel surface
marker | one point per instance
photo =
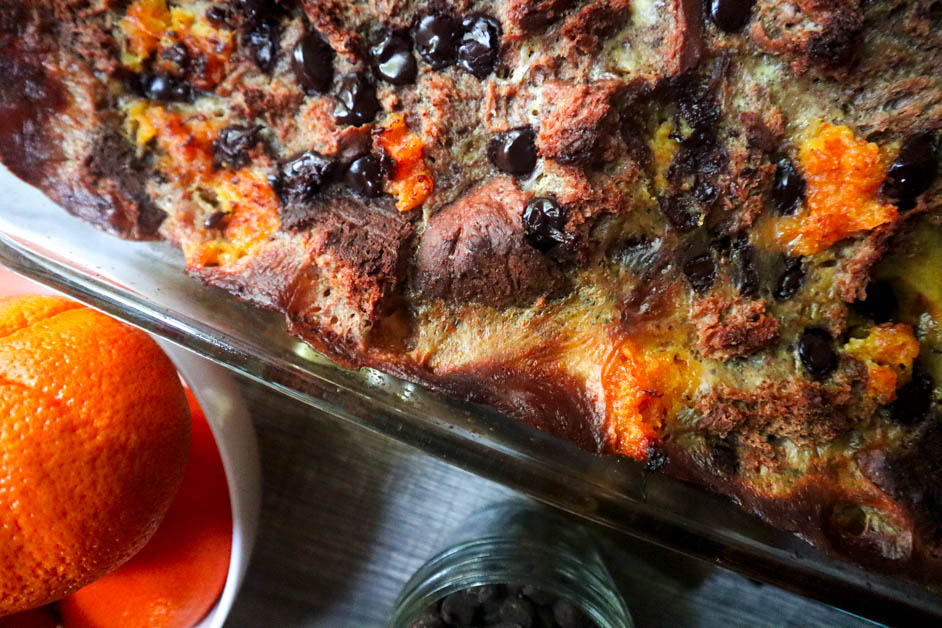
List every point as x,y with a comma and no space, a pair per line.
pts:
348,516
143,284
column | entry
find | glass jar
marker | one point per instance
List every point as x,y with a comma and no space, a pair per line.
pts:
517,543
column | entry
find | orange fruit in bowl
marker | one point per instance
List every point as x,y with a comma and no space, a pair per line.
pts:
94,439
174,581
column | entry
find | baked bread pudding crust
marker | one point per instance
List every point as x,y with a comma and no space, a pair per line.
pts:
705,237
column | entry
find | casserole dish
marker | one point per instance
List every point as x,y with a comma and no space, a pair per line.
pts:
141,283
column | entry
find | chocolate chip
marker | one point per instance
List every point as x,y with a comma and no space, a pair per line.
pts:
746,276
313,63
700,271
480,45
880,305
458,609
791,279
514,151
731,15
164,87
356,100
789,187
436,38
913,400
428,619
365,176
262,43
231,147
518,611
537,596
680,211
913,170
178,54
392,58
300,179
215,219
568,616
544,223
816,352
218,16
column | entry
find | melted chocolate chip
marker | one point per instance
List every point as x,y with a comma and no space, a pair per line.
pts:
913,170
365,176
816,352
791,279
392,58
299,180
881,305
436,38
231,148
731,15
480,45
789,187
215,219
313,63
514,151
913,400
700,271
164,87
254,11
544,222
746,277
177,54
262,43
356,100
681,211
218,16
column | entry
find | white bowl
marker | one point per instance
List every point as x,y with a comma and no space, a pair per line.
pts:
222,403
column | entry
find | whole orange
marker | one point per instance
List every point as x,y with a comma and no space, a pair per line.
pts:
94,438
176,578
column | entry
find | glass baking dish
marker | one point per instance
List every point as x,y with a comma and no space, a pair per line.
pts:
144,284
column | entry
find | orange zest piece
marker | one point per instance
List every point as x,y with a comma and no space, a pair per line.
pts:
843,176
252,209
247,198
888,352
411,182
144,25
643,388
